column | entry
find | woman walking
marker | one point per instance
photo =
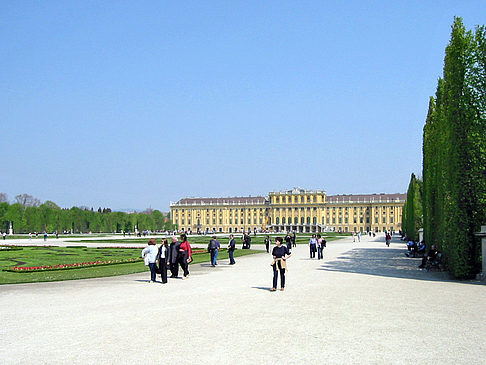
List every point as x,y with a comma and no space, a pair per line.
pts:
280,255
321,243
185,255
313,246
164,259
149,255
267,243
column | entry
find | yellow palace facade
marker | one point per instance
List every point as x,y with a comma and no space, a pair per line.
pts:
296,210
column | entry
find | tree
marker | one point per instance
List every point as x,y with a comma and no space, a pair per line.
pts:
27,200
454,153
3,198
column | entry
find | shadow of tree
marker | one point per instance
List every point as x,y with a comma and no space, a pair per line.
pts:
388,262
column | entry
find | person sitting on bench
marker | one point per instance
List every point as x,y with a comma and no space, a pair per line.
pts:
421,248
412,248
431,256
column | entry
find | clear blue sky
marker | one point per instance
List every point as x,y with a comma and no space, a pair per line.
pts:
128,104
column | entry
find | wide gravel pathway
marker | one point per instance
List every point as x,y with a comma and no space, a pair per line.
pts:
363,304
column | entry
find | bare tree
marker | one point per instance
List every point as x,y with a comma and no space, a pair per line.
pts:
3,198
27,200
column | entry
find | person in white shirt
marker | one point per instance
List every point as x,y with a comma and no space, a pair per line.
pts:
149,255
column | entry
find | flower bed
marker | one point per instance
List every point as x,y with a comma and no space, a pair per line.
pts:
78,265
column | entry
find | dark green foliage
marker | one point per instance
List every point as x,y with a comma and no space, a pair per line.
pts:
49,217
454,152
412,215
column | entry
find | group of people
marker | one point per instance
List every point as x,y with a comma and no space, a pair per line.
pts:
317,244
168,257
214,246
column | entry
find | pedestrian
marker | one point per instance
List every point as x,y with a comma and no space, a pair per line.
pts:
354,237
387,239
293,239
248,241
149,255
321,243
267,243
313,246
30,236
173,255
45,236
185,255
359,236
280,255
214,247
231,249
288,241
164,253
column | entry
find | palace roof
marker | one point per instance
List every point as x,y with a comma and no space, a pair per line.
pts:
366,198
243,200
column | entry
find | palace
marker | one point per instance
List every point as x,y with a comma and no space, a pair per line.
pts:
294,210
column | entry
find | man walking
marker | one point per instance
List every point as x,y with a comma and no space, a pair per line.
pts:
214,247
231,249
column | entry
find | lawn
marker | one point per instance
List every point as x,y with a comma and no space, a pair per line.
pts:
39,256
202,241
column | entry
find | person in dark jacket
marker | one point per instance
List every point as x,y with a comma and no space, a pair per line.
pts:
267,243
164,253
280,255
431,256
173,253
288,241
231,249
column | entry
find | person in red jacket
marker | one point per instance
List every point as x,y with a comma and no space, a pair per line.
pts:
185,255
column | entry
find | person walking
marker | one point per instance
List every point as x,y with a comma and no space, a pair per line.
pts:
173,256
387,239
321,243
149,255
164,259
215,246
267,243
313,246
280,255
293,239
288,241
185,255
231,249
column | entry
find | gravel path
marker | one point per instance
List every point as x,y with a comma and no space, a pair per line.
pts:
363,304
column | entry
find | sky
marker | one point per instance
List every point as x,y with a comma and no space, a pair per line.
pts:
131,105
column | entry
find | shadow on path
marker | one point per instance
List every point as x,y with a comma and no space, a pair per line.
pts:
387,262
266,288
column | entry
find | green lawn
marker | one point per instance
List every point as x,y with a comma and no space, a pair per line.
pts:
202,241
39,256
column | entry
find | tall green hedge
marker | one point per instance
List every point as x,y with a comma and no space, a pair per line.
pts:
412,213
454,153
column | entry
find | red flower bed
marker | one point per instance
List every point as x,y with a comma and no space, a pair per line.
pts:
77,265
